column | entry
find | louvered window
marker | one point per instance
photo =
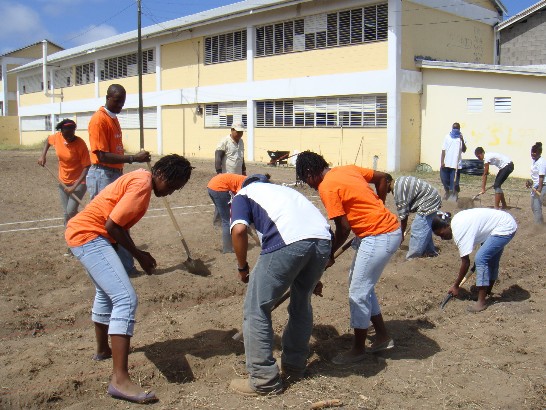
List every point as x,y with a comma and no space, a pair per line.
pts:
503,104
357,111
324,30
85,74
126,66
128,119
225,47
36,123
64,78
474,104
0,73
224,114
33,84
82,119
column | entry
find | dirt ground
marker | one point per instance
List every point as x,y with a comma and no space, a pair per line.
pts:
183,347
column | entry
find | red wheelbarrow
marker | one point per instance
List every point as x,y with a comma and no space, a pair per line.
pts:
278,157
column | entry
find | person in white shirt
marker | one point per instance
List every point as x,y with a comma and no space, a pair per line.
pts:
505,166
230,153
491,228
536,184
450,161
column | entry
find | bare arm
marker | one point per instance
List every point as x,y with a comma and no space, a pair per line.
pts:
379,179
42,159
442,158
343,229
465,264
244,167
218,156
111,158
484,176
239,237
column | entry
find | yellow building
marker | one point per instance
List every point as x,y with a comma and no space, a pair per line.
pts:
336,77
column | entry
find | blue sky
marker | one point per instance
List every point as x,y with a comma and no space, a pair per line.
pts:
70,23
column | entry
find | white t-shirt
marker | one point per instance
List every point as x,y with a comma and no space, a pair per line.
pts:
453,148
498,160
537,169
474,226
232,162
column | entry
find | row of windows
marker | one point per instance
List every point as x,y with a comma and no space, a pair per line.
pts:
111,68
501,104
360,25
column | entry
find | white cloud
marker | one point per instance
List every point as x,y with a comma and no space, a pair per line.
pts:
20,25
93,33
59,7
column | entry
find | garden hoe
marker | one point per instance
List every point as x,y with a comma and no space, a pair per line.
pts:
449,296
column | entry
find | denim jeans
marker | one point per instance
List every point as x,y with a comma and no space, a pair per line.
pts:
421,241
450,179
221,203
373,254
115,299
297,267
536,206
488,257
68,203
97,180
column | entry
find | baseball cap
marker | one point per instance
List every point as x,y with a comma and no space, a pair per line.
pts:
238,126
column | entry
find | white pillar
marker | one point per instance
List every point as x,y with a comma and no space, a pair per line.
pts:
250,44
159,108
394,98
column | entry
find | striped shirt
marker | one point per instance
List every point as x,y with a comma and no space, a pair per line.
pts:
415,195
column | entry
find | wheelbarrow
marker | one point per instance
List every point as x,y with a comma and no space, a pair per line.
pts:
278,157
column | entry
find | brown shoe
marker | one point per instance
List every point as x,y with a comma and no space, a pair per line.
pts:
242,386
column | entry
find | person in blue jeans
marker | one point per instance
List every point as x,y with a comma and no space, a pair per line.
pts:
413,195
491,228
296,245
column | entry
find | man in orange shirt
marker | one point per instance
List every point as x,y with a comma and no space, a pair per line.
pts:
107,153
73,165
92,236
351,203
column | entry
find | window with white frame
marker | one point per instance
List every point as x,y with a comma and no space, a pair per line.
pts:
31,84
82,119
503,104
85,73
474,104
36,123
222,115
126,66
225,47
128,119
64,78
367,111
360,25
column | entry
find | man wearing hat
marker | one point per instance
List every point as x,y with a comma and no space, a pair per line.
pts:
230,153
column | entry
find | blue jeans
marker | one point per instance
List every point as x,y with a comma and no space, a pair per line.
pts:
536,206
221,202
421,242
450,179
297,267
115,299
488,257
97,180
68,203
374,252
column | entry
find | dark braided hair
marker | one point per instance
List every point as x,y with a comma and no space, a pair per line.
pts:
537,148
309,164
173,168
65,123
440,220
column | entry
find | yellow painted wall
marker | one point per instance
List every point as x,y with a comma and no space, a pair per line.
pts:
130,84
34,137
78,92
438,35
37,98
9,130
411,129
445,94
182,66
131,140
362,57
12,106
12,79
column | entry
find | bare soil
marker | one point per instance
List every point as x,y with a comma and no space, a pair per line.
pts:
183,347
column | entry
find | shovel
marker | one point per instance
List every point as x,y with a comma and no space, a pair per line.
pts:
477,196
239,335
449,296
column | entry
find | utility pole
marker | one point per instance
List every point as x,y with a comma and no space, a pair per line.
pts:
139,66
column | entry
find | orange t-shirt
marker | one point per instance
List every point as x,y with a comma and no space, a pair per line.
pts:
125,201
345,191
226,182
73,157
105,135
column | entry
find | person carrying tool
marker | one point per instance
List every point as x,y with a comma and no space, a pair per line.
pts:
74,163
450,162
537,182
221,188
415,195
351,203
296,244
491,228
93,235
505,166
107,153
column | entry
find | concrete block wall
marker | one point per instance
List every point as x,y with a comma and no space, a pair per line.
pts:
524,43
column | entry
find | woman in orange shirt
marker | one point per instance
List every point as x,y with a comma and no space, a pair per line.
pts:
74,163
353,205
93,236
